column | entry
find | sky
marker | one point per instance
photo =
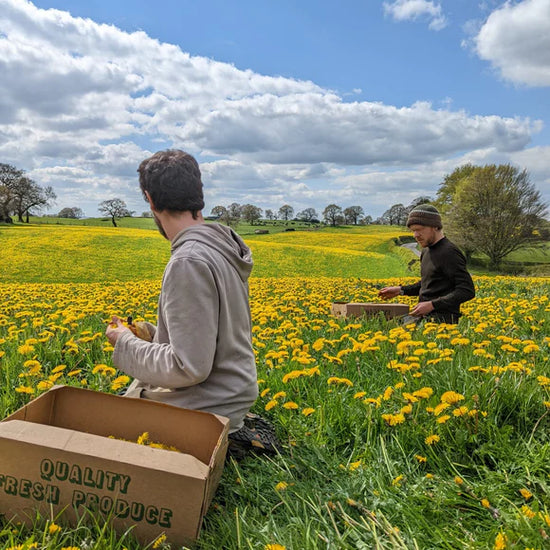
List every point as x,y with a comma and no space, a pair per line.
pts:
307,103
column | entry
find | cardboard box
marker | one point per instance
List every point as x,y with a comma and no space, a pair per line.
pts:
59,454
343,309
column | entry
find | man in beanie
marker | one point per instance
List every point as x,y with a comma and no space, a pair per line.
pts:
200,355
444,281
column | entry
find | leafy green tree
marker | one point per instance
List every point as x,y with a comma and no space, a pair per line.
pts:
218,211
395,215
286,212
307,215
448,189
270,215
251,213
496,210
353,214
72,212
333,215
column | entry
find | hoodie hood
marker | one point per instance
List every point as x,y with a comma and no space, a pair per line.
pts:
222,239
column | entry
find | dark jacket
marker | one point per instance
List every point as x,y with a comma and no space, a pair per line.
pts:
444,280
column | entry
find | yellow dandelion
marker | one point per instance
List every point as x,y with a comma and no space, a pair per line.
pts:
271,404
281,486
451,397
279,395
274,547
290,405
307,411
526,494
501,541
432,439
459,480
396,482
420,458
159,541
53,528
25,389
485,503
443,419
527,512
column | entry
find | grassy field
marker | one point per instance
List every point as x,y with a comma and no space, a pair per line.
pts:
73,253
395,437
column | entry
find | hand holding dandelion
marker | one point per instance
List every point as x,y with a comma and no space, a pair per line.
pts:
114,329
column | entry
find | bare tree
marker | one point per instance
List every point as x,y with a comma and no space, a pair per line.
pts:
115,208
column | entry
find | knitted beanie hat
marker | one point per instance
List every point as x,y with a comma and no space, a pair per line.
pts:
425,214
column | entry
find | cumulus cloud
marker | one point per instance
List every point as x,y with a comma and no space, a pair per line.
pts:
82,103
411,10
515,39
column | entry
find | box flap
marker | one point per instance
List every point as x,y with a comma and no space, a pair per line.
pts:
193,432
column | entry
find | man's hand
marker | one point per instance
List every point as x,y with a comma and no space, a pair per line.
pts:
389,292
422,308
114,329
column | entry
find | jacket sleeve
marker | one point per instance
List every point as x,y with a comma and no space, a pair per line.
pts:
411,290
190,308
463,289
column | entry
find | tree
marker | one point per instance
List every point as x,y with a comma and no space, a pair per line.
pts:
332,214
270,215
353,214
418,201
307,215
448,189
9,179
286,212
71,212
28,195
218,211
232,214
395,215
115,208
495,210
251,213
367,220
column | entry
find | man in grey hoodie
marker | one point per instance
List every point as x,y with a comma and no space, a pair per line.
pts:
201,355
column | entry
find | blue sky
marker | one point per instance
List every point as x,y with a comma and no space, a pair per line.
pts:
304,103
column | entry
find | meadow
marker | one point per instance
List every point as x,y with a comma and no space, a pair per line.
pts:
428,436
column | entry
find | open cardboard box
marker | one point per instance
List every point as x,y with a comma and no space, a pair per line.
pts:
63,453
343,309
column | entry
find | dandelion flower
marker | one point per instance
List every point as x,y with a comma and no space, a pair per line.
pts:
526,494
485,503
431,439
281,486
307,411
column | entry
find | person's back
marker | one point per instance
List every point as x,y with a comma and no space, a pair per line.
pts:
201,354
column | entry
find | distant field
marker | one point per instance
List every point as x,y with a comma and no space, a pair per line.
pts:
73,253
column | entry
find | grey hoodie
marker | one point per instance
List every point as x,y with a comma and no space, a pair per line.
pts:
201,356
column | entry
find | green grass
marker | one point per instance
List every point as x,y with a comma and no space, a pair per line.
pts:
347,478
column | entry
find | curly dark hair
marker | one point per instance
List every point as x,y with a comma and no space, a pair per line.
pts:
173,180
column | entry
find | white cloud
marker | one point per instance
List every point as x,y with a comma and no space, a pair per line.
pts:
411,10
81,104
515,39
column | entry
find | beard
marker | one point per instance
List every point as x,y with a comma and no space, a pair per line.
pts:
159,226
